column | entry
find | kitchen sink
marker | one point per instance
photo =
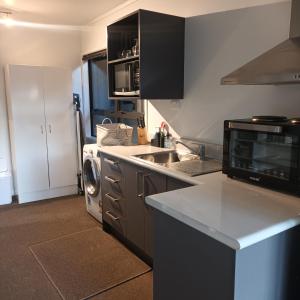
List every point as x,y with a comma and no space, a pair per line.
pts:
161,158
186,163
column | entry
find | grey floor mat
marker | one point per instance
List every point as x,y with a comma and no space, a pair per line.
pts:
84,264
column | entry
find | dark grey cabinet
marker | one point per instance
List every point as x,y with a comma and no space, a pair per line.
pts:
113,191
135,207
124,188
189,264
140,183
156,70
153,183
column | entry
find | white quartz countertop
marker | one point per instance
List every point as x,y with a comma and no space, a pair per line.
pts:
235,213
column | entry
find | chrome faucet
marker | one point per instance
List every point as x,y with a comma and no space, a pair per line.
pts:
200,151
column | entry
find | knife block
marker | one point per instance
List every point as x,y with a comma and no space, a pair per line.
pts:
142,136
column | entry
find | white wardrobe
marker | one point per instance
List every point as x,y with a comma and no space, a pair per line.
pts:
42,131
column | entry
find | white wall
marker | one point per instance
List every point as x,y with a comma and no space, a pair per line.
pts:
217,44
95,38
35,47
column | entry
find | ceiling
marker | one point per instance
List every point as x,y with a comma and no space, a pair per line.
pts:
62,12
82,12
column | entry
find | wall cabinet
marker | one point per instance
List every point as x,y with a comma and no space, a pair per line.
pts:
124,188
146,56
42,131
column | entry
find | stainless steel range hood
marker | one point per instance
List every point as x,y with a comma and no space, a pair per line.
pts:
280,65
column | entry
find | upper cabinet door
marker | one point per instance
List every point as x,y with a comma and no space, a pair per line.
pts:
27,127
61,129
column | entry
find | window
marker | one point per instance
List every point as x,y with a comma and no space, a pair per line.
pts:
100,106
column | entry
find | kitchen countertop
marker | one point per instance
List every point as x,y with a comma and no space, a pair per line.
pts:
233,212
127,153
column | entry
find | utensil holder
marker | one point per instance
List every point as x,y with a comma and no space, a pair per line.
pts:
142,136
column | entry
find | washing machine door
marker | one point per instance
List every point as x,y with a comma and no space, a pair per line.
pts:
91,176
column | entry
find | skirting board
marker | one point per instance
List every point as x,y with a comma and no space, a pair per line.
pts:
52,193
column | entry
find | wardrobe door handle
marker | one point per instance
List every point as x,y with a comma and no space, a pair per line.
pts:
50,128
42,129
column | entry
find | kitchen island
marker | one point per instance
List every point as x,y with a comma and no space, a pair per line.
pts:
225,239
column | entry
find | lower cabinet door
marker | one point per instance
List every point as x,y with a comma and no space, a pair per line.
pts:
135,206
113,207
140,183
149,231
154,183
114,219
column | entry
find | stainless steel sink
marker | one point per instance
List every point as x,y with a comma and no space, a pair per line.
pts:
188,164
161,158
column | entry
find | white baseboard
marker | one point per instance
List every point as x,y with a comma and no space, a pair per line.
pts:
52,193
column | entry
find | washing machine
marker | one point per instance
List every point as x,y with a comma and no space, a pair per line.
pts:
91,171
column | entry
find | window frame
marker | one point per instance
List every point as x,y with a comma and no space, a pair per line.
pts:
101,55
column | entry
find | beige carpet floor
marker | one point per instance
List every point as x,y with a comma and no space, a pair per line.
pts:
21,226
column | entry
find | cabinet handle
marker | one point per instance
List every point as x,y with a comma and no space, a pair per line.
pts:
108,213
142,194
110,197
50,128
111,180
111,162
42,129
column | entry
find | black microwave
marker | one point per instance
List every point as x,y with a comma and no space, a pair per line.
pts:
264,150
127,79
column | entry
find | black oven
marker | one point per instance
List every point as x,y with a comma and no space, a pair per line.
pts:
264,150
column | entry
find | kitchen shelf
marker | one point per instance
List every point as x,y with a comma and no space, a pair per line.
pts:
160,41
125,98
123,60
127,115
133,115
